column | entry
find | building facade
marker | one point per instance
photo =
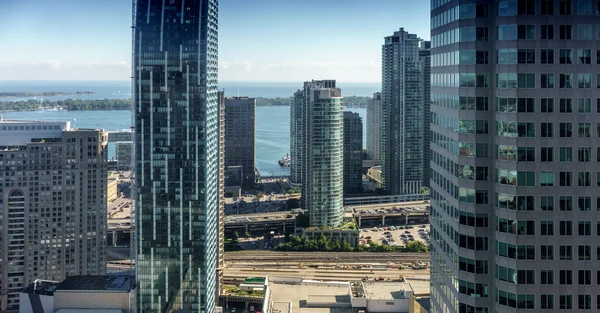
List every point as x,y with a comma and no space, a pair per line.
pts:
353,152
374,127
124,154
514,156
297,143
402,118
176,107
425,58
52,204
321,148
240,136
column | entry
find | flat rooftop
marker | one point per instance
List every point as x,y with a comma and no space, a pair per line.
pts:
116,283
386,290
313,297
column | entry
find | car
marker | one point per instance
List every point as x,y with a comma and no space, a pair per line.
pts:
233,310
422,226
407,231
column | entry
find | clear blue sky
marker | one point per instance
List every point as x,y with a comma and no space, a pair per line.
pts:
259,40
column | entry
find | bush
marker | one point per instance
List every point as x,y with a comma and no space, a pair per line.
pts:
303,244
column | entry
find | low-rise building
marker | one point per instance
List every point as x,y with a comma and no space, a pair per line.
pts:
112,189
419,304
374,175
101,294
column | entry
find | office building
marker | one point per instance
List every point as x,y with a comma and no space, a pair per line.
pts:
52,204
374,127
177,153
425,58
353,152
402,114
320,150
124,153
240,136
514,145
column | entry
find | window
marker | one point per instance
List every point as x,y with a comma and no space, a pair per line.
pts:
527,56
584,203
547,105
526,32
584,154
584,56
565,277
547,129
547,302
584,228
547,154
565,253
584,7
565,129
526,129
565,105
584,179
598,56
566,228
584,277
565,203
566,154
547,80
547,228
506,80
565,56
526,179
584,32
507,32
565,302
597,80
565,179
547,203
565,31
526,154
547,178
565,81
526,277
507,7
526,105
584,302
547,252
547,32
547,7
584,129
547,56
584,80
584,105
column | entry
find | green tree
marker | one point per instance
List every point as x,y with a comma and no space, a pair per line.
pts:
235,237
425,190
416,246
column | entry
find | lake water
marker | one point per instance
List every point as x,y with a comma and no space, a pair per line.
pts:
272,129
122,89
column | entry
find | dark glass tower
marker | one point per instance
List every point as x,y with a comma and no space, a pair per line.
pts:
177,154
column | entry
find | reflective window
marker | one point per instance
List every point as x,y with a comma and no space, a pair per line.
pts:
584,32
507,32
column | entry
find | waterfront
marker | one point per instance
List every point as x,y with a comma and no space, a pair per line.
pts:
272,130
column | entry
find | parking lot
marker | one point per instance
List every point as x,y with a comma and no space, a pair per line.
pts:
248,205
260,243
395,235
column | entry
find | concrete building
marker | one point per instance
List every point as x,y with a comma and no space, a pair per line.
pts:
98,294
513,156
124,154
320,147
52,204
425,58
240,136
374,125
112,189
297,295
353,152
177,153
402,114
297,119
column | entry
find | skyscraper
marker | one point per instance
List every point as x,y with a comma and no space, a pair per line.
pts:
296,137
240,136
321,129
374,127
425,58
52,204
514,141
402,106
353,152
176,105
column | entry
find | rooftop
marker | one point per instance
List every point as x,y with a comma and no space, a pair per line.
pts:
425,303
387,290
97,283
310,297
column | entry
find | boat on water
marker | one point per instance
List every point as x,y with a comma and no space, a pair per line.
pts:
285,161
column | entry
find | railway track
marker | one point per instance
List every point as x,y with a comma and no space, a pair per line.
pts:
256,256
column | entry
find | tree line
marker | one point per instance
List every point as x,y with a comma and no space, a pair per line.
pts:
304,244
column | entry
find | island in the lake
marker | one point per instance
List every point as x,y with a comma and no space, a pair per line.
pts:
4,94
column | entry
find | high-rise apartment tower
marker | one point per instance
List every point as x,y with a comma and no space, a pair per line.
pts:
318,126
374,127
240,136
514,156
176,107
402,114
52,204
353,152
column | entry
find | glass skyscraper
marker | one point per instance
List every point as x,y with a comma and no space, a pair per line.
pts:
176,107
514,156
